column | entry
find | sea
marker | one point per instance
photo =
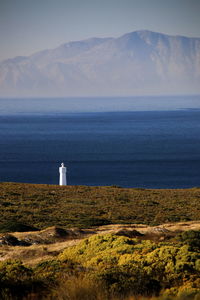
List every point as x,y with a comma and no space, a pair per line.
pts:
139,142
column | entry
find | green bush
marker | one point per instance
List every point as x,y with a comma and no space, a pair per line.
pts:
111,265
14,226
191,238
128,280
90,222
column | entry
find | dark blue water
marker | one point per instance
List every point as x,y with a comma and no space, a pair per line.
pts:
153,149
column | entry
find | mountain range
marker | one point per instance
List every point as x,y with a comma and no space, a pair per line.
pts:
137,63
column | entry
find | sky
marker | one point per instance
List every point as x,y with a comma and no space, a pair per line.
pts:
28,26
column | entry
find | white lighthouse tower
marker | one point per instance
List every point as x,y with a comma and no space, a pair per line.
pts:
62,171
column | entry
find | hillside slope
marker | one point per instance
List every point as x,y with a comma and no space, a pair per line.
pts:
113,261
84,206
35,247
137,63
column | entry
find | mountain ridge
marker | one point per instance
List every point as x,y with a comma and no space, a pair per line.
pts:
137,63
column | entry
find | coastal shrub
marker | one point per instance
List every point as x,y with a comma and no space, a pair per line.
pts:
13,271
14,226
103,267
16,280
99,250
82,206
113,258
128,280
109,267
52,270
90,222
191,238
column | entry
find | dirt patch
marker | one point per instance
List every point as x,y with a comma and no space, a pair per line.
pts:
48,243
49,235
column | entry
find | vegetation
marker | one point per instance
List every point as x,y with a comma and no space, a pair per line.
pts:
103,266
13,226
40,206
109,267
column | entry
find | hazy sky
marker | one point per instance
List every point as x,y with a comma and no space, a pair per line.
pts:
27,26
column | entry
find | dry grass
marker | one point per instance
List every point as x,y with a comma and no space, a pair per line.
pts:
31,255
167,211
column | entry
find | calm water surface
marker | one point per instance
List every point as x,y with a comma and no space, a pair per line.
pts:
154,148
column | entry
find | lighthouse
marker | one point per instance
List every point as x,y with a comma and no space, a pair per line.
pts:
62,171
